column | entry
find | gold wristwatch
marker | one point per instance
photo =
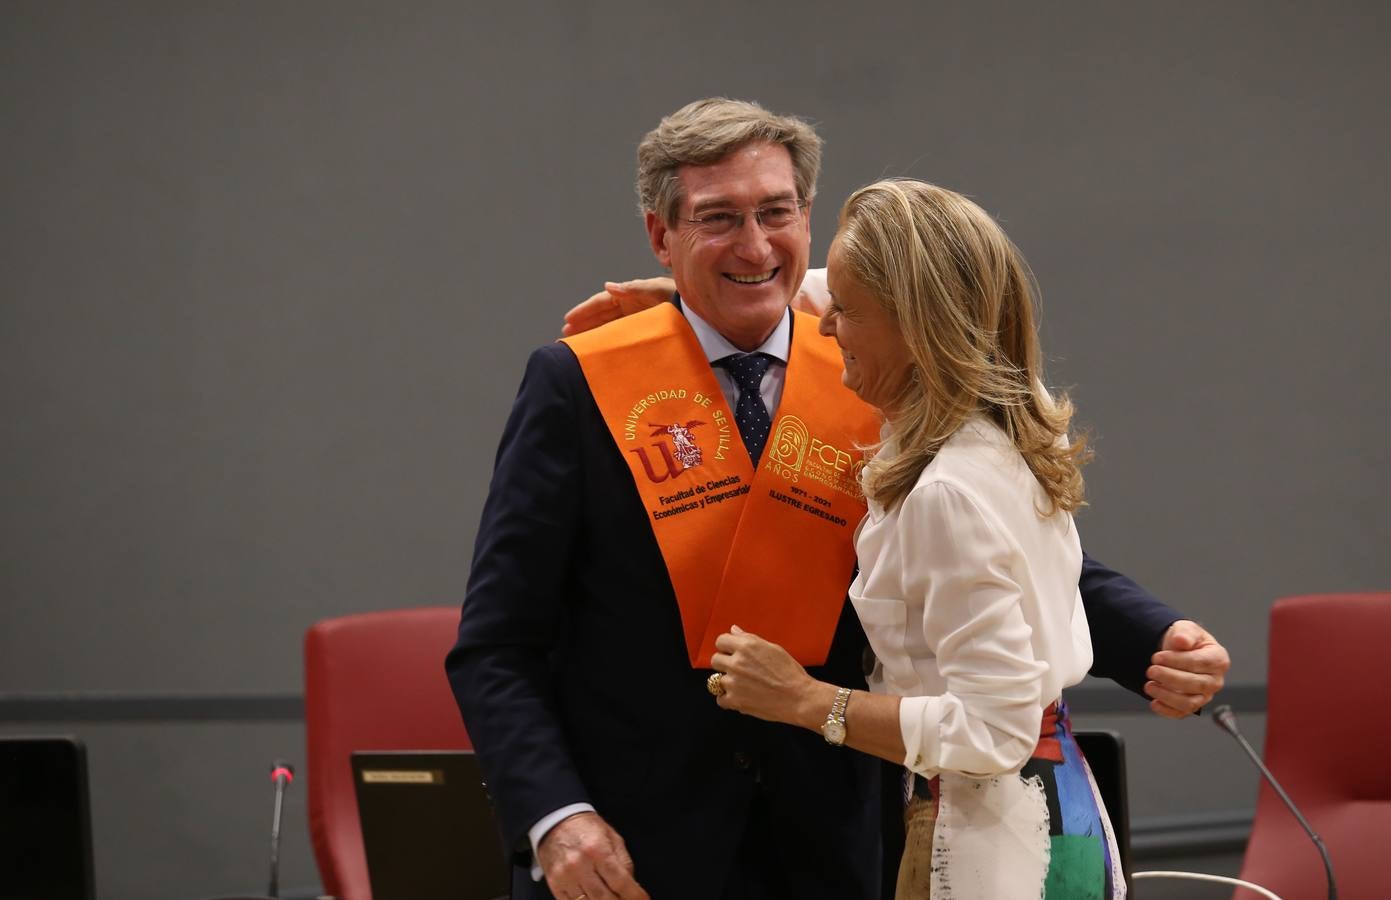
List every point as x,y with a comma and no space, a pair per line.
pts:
833,729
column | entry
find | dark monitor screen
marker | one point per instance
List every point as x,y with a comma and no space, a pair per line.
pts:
427,826
45,831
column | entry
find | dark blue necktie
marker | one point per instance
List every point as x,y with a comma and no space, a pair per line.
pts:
749,413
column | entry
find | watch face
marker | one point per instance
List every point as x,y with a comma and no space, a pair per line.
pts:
833,732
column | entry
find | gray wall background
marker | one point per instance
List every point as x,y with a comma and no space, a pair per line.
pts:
269,273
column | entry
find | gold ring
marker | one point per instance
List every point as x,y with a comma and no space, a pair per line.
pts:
714,685
579,897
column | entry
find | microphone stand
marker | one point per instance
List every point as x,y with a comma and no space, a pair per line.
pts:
281,773
1226,720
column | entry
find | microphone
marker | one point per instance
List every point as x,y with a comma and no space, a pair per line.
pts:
1223,717
281,774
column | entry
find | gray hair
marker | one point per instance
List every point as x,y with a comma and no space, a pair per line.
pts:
705,132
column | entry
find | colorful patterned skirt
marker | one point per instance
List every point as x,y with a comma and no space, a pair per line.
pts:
1039,832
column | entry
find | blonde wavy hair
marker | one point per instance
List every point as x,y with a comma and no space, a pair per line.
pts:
706,131
961,294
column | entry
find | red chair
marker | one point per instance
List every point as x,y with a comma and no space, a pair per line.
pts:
1327,736
373,681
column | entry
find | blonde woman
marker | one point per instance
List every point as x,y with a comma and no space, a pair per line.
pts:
969,561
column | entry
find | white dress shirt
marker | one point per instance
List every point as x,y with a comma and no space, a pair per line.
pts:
717,346
969,598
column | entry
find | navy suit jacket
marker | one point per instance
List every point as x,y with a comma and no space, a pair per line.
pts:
572,675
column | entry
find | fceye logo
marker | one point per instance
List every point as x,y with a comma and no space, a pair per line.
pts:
794,453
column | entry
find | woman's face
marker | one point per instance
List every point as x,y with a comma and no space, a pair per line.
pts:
877,364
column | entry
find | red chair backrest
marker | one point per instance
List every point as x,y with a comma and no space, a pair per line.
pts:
1327,735
373,681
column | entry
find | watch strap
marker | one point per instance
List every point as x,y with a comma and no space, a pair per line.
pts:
834,728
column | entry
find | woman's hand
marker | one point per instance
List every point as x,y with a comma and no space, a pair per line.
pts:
616,300
762,679
623,298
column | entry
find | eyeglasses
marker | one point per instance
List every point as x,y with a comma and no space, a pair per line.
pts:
773,216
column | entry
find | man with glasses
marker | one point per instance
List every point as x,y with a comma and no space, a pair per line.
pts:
660,480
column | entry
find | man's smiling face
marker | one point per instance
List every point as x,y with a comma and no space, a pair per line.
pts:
742,281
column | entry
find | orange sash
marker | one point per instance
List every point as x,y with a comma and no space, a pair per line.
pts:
772,551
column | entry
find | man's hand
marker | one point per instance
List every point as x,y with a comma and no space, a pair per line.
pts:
1188,670
584,857
616,300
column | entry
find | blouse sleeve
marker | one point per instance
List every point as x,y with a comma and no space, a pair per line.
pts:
814,296
987,721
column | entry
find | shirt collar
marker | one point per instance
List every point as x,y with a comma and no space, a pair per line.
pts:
717,346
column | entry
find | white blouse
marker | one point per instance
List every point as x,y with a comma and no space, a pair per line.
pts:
969,598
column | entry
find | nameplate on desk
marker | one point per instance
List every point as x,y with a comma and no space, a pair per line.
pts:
402,776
